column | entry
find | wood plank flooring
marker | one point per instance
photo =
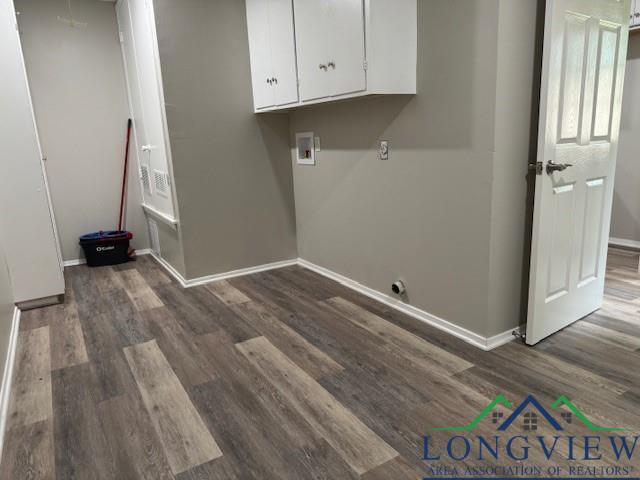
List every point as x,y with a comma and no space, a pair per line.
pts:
280,375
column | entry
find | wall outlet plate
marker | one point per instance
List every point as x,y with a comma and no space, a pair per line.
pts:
384,150
317,144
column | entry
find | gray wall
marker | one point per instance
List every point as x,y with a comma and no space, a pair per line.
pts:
232,168
78,89
625,222
426,214
518,72
422,216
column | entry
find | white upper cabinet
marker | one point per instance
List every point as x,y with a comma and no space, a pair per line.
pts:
339,49
283,51
330,44
273,52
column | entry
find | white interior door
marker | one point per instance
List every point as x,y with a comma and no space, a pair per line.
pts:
135,98
135,19
581,95
283,51
346,46
313,31
260,47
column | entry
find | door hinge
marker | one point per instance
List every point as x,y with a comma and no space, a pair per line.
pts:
121,36
365,65
536,167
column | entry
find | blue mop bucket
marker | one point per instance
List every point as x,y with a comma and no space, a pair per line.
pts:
106,248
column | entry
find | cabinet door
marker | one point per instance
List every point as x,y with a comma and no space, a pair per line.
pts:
312,33
345,38
260,51
283,51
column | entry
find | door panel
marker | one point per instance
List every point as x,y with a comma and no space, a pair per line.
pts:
581,96
346,46
592,226
561,241
260,47
605,80
575,44
143,46
134,94
283,51
312,27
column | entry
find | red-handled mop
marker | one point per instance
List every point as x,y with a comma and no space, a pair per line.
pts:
124,177
111,247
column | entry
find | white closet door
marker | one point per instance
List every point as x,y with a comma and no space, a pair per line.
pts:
346,46
260,48
139,136
27,231
312,36
283,51
144,49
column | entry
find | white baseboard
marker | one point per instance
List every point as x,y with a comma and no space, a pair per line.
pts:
485,343
73,263
239,273
169,268
623,242
7,376
221,276
82,261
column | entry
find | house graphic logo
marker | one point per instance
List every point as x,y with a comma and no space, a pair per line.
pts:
532,412
503,437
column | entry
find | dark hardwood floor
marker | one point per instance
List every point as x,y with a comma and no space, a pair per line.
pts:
282,375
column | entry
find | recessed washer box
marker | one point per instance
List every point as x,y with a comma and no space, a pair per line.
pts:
305,149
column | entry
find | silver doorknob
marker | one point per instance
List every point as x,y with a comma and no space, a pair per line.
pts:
557,167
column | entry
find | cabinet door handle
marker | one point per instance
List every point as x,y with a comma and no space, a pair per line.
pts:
274,80
322,66
332,64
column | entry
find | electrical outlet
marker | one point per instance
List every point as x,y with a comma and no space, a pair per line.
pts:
384,150
317,144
